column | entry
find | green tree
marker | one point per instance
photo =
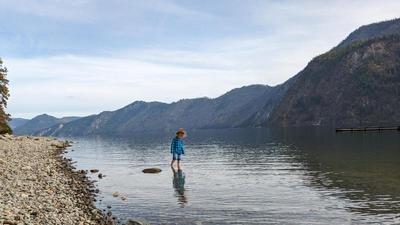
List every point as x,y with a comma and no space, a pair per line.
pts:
4,95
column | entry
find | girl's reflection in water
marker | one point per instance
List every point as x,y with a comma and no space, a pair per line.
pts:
178,183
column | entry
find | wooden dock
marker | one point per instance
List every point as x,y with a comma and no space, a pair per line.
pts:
367,129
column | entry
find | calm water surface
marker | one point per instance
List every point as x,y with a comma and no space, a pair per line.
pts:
250,176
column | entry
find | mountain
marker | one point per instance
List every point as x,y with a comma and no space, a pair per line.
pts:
68,119
237,108
271,100
16,122
375,30
40,122
355,84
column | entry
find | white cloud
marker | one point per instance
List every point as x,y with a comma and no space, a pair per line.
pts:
74,10
84,11
92,84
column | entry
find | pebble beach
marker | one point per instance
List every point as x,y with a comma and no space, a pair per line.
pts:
40,186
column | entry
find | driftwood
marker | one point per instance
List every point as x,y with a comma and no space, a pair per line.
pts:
367,129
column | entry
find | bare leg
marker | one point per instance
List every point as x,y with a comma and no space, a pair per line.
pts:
179,164
172,163
173,170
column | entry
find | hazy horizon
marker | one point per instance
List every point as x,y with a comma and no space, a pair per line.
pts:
76,58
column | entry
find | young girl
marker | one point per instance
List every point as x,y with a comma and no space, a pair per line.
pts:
178,147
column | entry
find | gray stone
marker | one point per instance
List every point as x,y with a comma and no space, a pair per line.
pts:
133,222
152,170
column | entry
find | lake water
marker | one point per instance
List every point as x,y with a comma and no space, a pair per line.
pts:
250,176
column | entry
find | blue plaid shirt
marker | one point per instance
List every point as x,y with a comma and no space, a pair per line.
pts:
177,146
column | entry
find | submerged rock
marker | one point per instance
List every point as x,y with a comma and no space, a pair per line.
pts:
152,170
134,222
94,170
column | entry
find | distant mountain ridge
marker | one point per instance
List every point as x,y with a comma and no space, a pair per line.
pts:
233,109
356,83
371,31
30,127
16,122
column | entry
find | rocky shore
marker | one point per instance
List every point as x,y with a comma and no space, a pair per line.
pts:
39,186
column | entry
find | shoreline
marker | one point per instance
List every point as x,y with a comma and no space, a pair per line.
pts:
38,185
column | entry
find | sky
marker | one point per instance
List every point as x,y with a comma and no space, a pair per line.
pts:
81,57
